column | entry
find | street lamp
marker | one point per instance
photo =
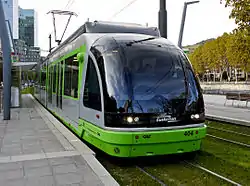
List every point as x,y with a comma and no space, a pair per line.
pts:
183,21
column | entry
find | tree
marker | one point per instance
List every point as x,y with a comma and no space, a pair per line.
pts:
227,52
221,51
196,59
240,12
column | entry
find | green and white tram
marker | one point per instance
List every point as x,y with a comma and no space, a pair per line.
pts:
125,90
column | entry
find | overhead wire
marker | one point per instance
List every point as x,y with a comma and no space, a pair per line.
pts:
124,8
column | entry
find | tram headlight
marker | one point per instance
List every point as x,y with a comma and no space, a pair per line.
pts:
195,116
131,119
198,117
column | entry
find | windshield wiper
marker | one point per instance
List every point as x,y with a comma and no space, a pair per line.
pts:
138,41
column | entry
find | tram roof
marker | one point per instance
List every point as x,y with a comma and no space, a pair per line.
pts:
108,27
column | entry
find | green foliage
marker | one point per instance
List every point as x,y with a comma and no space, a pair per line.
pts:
28,90
240,12
228,50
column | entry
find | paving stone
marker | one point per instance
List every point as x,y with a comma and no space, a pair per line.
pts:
61,161
40,181
48,140
73,184
11,151
32,150
27,142
62,169
11,146
53,149
92,182
2,128
11,141
12,135
46,136
89,175
10,166
80,162
52,146
11,174
34,137
38,171
19,182
3,122
69,178
28,145
35,163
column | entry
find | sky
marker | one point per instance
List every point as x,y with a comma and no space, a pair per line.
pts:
206,19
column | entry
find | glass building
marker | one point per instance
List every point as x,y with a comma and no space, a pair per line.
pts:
10,8
28,26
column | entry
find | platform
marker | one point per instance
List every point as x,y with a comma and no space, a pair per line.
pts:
36,149
215,109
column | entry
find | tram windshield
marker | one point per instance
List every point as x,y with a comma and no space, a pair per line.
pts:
143,79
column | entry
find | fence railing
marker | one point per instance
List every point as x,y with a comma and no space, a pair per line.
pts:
225,83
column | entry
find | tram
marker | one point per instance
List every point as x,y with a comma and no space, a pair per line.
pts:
124,89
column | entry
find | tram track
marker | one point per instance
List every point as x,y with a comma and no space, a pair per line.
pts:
229,131
150,175
213,173
195,165
230,141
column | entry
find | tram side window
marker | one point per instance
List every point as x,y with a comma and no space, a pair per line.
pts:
54,78
71,77
43,79
92,95
74,78
67,77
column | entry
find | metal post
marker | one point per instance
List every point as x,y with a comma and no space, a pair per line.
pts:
183,21
20,86
182,25
50,43
65,28
54,23
6,65
162,20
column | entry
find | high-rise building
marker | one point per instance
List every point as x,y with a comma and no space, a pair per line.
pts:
10,8
28,26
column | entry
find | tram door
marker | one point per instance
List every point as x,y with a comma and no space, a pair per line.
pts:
61,83
57,85
50,85
59,78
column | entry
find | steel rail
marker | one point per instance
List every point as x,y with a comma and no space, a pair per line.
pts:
230,141
213,173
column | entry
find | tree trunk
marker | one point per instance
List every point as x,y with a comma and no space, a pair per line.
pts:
214,75
236,77
221,73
